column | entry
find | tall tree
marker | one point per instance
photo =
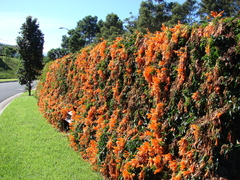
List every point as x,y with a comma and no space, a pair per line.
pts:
111,28
230,7
30,45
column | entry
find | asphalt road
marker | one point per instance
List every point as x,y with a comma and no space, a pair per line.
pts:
8,89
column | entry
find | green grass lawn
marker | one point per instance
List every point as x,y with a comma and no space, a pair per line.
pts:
3,80
31,149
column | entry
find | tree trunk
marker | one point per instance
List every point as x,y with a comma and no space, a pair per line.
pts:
29,89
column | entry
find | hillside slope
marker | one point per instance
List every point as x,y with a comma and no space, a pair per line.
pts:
155,106
9,67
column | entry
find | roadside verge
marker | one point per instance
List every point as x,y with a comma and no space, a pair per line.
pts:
7,101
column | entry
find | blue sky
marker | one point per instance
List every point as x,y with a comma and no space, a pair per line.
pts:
52,14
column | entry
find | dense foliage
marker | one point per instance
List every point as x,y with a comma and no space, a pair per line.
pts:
163,105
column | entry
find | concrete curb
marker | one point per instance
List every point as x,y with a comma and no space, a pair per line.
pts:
7,101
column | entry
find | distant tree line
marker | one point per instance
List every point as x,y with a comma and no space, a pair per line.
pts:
152,14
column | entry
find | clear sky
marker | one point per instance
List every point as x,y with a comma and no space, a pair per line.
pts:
52,14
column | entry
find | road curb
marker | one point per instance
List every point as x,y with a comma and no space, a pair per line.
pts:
7,101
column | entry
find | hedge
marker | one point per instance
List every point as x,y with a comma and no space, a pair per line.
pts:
162,105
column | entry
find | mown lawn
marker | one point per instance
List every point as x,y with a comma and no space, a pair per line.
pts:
3,80
31,149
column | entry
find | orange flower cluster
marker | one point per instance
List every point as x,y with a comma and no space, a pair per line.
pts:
182,54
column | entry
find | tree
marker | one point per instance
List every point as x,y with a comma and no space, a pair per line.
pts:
185,13
57,53
88,28
152,15
84,34
230,7
176,13
190,8
74,42
30,45
111,28
131,23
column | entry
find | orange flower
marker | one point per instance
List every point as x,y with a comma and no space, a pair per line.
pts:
185,173
195,127
124,111
195,96
147,133
163,27
161,63
178,177
216,142
144,147
209,76
182,165
191,169
173,165
138,71
149,115
207,50
168,157
216,14
142,174
217,89
219,114
148,73
126,174
182,146
109,144
140,122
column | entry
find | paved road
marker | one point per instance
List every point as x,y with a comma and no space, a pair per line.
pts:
9,89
